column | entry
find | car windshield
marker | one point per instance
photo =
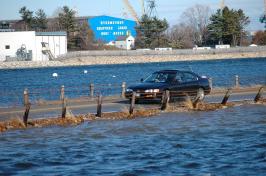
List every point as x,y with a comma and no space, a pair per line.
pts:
160,77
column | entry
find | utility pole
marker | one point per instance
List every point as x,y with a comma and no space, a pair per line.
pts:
142,7
222,5
265,7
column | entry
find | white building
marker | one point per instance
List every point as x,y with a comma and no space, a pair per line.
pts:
127,42
31,45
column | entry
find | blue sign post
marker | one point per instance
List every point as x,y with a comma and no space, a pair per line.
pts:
107,29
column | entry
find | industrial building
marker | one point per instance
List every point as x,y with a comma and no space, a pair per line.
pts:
31,45
18,44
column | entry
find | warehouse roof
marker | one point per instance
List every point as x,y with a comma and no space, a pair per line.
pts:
58,33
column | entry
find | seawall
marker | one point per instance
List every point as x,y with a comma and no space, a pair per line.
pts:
127,57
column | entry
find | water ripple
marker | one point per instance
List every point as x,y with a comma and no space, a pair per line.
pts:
225,142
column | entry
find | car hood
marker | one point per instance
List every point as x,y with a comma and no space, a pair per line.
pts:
145,86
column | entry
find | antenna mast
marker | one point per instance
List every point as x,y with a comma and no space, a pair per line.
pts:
151,8
142,7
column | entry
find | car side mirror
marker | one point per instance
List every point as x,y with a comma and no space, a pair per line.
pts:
141,80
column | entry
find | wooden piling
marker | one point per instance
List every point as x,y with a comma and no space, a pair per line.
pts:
27,107
196,103
62,92
210,83
91,90
165,100
132,104
236,81
123,86
26,97
259,95
99,106
64,106
26,114
226,97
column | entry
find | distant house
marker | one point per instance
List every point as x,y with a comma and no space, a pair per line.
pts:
125,42
31,45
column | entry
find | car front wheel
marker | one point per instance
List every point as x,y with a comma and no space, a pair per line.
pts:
200,94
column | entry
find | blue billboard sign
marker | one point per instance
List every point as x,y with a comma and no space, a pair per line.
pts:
108,28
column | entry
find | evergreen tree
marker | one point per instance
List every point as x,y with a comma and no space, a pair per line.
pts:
40,20
227,27
67,20
216,27
27,17
150,32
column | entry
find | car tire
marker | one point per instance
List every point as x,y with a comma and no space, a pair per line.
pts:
200,94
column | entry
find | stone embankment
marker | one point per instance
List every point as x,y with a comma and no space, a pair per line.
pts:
110,57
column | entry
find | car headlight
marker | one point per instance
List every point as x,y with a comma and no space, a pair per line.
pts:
129,90
152,90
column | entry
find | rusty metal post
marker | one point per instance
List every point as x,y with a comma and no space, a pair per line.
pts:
259,95
64,106
165,100
99,106
226,97
210,83
123,86
62,92
91,90
132,104
236,81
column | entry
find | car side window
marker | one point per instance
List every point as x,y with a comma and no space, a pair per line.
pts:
179,77
188,77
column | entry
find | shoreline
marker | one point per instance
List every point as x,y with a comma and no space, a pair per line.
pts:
113,60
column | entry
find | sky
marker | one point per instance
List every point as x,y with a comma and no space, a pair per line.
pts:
171,10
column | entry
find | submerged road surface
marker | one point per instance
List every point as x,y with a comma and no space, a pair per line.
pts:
117,104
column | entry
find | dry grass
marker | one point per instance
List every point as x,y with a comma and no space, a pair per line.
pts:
14,123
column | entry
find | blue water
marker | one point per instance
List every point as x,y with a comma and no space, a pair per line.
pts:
42,85
225,142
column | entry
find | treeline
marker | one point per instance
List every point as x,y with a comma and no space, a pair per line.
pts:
197,27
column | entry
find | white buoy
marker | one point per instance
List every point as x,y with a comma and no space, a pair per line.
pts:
113,76
85,71
55,74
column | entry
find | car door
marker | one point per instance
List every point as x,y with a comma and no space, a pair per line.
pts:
190,83
177,88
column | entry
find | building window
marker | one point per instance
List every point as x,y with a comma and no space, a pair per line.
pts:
7,46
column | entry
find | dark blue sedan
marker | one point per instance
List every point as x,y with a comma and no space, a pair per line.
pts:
179,83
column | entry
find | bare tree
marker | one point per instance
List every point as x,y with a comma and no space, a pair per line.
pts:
180,36
197,17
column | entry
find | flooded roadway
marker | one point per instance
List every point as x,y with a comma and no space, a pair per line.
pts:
224,142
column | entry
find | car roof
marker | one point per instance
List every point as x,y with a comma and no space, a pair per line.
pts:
176,71
170,71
